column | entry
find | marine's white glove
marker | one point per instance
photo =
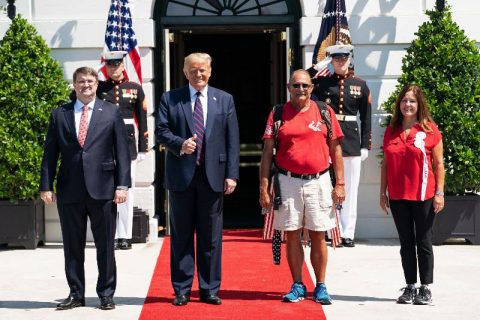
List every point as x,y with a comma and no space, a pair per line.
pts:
363,154
141,156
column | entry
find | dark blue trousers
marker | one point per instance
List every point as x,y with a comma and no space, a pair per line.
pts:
197,210
73,220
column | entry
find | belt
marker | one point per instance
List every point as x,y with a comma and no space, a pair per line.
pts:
344,117
306,176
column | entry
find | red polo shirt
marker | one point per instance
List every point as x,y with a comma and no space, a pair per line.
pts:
302,139
405,162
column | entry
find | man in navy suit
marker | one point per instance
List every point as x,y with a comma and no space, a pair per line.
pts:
90,137
198,126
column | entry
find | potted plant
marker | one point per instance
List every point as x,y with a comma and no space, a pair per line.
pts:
32,85
446,65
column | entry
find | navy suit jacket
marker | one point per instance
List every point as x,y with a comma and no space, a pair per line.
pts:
174,124
99,167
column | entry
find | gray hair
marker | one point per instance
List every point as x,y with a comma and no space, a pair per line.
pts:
197,56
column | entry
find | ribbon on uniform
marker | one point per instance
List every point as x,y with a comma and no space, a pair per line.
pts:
420,144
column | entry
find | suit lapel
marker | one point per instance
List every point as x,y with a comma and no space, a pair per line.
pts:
96,116
69,114
212,111
187,109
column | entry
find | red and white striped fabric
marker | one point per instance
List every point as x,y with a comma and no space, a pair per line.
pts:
335,231
119,36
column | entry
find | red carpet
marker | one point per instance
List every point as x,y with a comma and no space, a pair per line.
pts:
252,286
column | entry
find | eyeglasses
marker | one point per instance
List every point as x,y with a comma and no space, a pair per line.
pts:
302,85
86,82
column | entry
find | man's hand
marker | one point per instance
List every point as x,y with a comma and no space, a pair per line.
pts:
338,194
363,154
48,197
229,186
189,145
120,196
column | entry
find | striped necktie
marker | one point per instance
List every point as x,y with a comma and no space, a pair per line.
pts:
199,128
83,128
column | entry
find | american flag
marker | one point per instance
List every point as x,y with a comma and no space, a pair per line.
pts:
333,30
119,36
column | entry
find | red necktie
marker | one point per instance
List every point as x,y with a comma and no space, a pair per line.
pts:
82,131
199,128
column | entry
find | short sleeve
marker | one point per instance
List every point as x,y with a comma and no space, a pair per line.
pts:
268,134
437,136
337,132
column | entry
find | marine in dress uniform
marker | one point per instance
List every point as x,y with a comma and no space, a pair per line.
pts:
349,96
130,99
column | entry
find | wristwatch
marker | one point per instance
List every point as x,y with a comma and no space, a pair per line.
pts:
439,193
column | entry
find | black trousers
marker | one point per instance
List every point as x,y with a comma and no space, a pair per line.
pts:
197,210
73,220
414,222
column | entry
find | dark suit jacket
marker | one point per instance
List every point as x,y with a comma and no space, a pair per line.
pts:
99,167
174,124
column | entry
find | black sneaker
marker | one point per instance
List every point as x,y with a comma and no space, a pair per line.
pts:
424,296
409,294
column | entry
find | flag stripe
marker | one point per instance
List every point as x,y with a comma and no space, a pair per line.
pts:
119,36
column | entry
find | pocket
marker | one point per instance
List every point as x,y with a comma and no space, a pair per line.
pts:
108,166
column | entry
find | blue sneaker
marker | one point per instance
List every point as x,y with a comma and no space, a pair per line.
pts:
297,293
321,295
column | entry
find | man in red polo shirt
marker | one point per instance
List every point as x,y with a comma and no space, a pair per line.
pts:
303,155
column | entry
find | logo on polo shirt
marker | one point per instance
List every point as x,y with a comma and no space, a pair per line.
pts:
315,126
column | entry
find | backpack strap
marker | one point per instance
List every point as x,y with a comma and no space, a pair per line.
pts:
322,107
277,123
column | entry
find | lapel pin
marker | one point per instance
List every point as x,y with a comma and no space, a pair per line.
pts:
215,98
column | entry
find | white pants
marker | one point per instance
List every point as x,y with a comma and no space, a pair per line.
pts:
348,214
125,211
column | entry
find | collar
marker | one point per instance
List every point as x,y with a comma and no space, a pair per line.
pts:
78,106
340,77
194,91
114,82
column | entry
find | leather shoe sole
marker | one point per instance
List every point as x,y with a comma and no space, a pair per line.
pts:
181,300
70,303
212,299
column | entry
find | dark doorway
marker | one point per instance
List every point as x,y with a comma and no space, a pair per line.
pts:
250,66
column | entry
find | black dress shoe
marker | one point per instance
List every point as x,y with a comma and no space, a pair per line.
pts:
106,303
70,303
116,244
125,244
347,242
211,299
181,300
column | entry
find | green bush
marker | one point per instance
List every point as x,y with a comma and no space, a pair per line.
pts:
32,85
446,65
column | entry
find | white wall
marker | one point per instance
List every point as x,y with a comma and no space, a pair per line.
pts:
74,30
380,31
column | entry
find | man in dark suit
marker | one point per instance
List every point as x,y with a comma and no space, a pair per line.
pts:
198,125
90,137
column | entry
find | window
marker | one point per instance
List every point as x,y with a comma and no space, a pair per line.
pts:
226,7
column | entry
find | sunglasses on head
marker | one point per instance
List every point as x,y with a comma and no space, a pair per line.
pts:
302,85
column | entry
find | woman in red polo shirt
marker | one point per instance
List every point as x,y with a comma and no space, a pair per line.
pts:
413,174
